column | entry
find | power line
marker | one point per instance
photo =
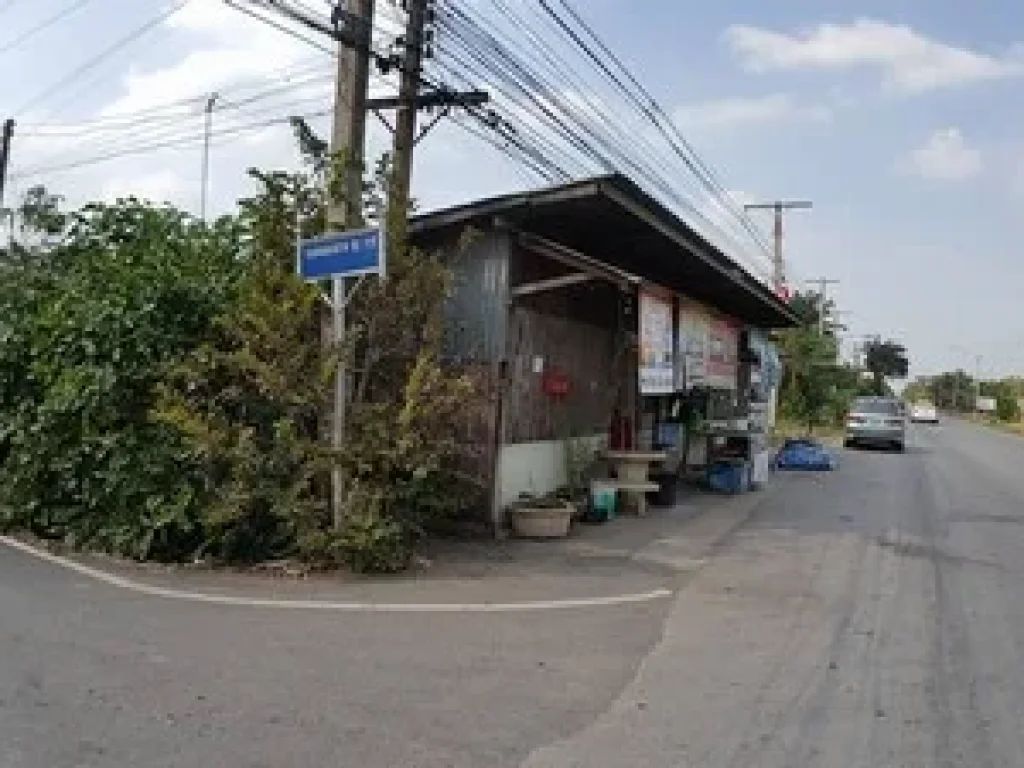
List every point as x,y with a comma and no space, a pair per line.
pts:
42,26
176,142
649,106
96,60
548,94
159,111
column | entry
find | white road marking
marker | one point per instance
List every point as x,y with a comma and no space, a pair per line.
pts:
327,605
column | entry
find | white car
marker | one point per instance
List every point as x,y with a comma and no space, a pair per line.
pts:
924,413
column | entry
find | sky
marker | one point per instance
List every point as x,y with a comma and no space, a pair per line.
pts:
900,119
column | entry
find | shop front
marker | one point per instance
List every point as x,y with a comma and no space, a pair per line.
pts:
611,330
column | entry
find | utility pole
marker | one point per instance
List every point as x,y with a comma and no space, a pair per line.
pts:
823,283
5,156
351,25
207,131
405,122
348,141
779,206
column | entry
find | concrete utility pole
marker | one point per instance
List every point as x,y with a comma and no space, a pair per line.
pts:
779,206
823,283
207,131
5,156
408,93
348,141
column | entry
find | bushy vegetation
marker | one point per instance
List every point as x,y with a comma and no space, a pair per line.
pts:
817,387
164,386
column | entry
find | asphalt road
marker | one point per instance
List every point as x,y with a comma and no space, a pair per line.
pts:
869,617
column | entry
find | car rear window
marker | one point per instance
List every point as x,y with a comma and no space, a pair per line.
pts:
886,407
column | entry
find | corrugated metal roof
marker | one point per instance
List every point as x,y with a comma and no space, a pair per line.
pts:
610,218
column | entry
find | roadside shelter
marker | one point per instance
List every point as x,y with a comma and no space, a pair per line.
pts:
577,302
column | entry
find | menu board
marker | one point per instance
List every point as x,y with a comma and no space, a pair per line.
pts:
694,337
657,362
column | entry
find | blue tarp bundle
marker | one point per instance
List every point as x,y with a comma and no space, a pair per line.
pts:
806,455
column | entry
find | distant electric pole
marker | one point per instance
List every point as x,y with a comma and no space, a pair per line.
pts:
823,283
207,131
5,156
779,206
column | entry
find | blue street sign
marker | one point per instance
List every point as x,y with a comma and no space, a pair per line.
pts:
342,254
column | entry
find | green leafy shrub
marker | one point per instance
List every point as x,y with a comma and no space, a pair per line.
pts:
372,540
87,330
248,400
1007,408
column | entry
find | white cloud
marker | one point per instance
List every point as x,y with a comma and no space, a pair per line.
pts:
774,108
945,156
908,61
230,48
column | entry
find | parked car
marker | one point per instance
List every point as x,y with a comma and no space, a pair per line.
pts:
924,413
877,421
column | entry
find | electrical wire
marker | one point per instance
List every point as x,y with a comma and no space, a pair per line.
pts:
661,120
96,60
170,143
524,67
595,139
160,111
42,26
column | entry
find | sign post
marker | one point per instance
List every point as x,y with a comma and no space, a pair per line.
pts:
336,257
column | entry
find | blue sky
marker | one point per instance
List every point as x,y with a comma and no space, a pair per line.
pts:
900,119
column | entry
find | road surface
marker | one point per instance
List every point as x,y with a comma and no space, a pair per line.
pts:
869,617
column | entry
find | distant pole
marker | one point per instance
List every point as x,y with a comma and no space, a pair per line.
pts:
207,131
5,155
779,207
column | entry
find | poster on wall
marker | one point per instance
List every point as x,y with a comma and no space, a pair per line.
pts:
723,355
657,363
694,330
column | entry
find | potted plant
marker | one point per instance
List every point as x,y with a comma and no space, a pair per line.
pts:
541,517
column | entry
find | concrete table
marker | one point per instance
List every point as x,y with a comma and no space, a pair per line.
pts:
632,469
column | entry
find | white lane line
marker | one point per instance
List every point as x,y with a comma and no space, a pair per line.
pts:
327,605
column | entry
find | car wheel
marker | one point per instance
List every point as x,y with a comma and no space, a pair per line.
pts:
849,443
901,447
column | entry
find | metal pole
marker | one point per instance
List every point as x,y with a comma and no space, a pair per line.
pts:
347,147
207,131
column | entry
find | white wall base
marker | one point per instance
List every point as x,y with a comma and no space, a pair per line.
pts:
535,468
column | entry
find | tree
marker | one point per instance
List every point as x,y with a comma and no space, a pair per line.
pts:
810,369
88,330
807,305
885,360
953,391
